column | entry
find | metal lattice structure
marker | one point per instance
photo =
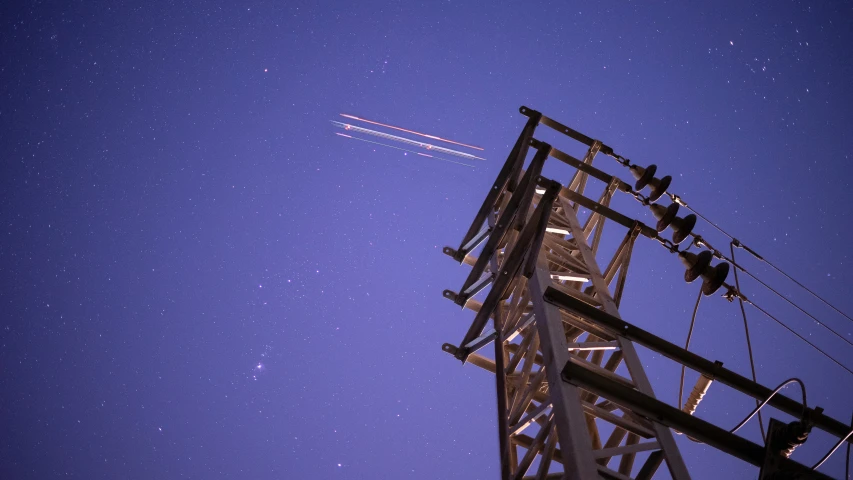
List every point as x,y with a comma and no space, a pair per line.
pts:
573,399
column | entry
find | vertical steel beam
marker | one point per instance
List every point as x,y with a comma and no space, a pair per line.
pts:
676,465
575,442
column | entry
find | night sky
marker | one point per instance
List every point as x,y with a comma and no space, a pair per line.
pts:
200,280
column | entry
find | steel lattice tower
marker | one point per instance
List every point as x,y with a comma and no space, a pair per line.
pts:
573,399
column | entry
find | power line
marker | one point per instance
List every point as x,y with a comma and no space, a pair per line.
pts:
801,309
737,243
674,249
686,346
783,297
676,199
748,342
798,335
805,288
847,460
825,457
762,404
701,242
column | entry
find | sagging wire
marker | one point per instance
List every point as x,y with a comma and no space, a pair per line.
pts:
741,298
736,293
702,242
686,346
760,406
748,341
765,312
829,453
738,244
676,199
847,460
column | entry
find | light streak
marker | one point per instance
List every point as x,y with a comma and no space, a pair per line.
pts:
405,150
407,141
432,137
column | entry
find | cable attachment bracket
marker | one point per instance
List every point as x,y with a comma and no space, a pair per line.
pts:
737,244
702,243
667,244
622,160
732,293
639,197
676,199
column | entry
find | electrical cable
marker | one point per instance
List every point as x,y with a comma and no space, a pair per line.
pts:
676,199
734,242
801,309
674,249
702,242
825,457
699,241
774,267
780,387
798,335
847,461
686,346
748,342
759,257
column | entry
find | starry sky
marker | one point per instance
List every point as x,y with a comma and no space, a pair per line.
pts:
200,280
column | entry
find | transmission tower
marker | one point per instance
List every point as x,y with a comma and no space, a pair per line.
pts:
573,399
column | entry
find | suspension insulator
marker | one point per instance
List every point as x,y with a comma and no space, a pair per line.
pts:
646,177
666,216
700,266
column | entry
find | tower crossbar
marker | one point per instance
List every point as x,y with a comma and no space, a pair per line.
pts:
573,398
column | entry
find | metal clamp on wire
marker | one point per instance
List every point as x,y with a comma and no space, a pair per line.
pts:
702,243
732,293
736,243
675,198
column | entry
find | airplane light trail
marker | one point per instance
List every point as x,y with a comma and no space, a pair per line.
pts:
432,137
407,141
405,150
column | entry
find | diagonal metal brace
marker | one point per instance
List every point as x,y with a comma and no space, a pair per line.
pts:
511,265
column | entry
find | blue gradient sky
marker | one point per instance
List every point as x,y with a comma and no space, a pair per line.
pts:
176,211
